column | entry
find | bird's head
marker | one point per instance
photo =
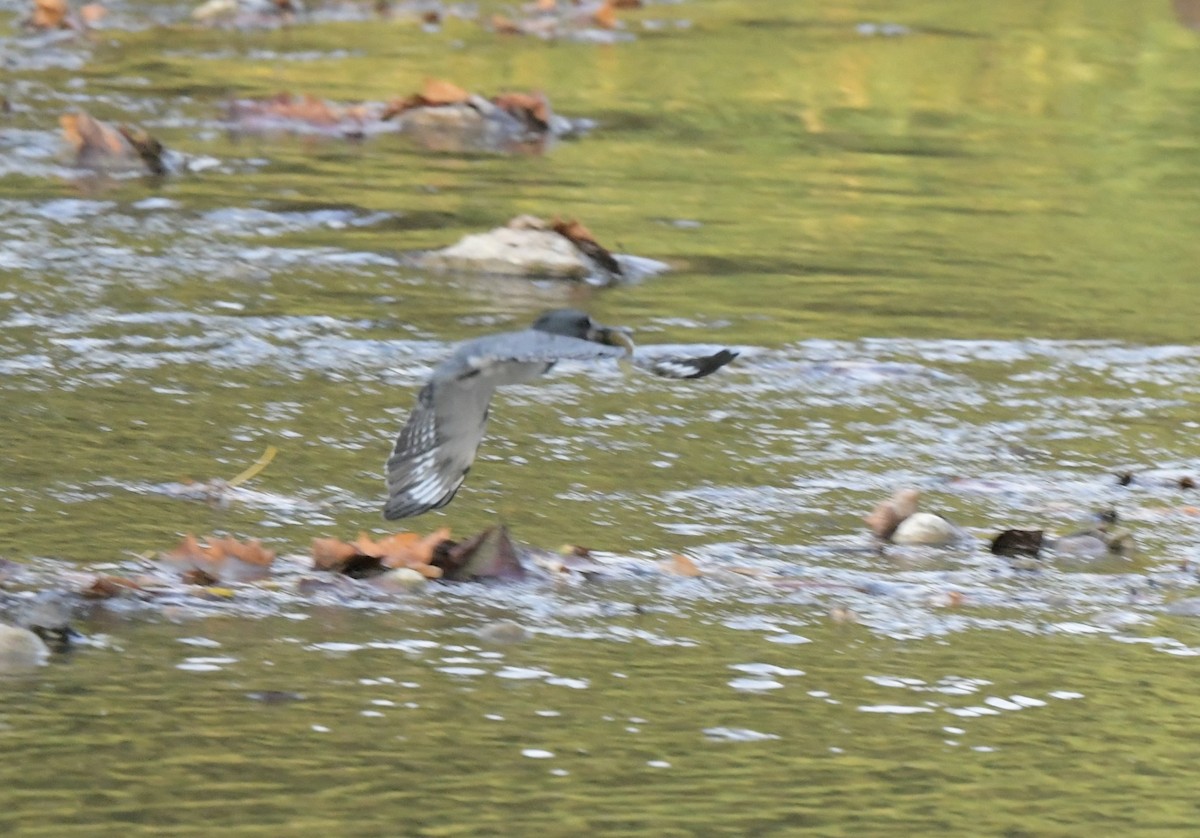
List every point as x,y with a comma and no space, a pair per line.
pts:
577,324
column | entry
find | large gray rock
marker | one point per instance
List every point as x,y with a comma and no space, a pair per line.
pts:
20,650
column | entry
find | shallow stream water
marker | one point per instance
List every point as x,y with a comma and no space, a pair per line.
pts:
956,247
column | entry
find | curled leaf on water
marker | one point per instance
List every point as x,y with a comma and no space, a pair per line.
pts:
107,587
301,113
580,236
594,20
366,557
99,145
606,15
489,555
888,514
681,565
220,560
50,14
433,94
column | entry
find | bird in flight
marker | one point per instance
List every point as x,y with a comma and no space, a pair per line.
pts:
435,449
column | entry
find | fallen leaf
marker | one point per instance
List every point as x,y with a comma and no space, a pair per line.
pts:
221,560
681,565
195,576
107,587
89,136
606,15
442,92
92,13
530,108
583,239
367,557
97,143
332,554
50,14
506,26
489,555
885,517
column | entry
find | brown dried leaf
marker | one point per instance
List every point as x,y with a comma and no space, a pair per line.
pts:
188,551
92,13
886,516
506,26
441,92
89,136
107,587
332,553
530,108
489,555
583,239
147,147
681,565
606,15
250,552
304,108
195,576
50,14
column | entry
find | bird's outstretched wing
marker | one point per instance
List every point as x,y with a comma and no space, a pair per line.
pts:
677,365
435,449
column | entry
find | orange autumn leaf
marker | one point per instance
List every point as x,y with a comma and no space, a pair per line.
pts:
222,558
250,552
681,565
506,26
303,108
442,92
50,14
88,135
583,239
332,553
195,576
188,551
91,13
528,107
106,587
606,15
573,230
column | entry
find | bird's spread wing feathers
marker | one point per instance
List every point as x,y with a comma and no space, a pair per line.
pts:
435,449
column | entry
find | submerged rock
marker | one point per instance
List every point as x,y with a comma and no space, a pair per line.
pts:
503,632
925,529
531,247
888,514
20,650
898,521
49,616
483,125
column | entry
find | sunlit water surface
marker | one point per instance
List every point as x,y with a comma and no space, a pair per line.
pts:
956,247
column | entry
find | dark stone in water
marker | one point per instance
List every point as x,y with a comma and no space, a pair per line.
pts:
1018,543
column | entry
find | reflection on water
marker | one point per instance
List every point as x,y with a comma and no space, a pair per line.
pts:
955,245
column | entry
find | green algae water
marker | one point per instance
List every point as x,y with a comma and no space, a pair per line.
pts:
956,248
